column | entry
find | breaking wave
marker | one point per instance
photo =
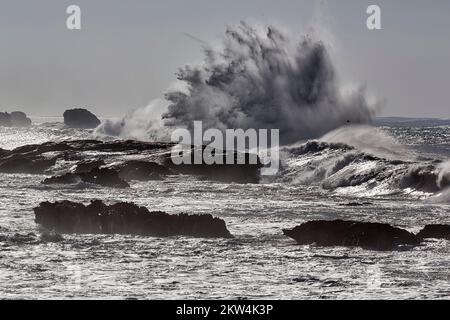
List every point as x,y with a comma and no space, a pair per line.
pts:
373,169
260,78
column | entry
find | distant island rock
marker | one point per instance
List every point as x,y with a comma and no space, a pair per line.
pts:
80,118
14,119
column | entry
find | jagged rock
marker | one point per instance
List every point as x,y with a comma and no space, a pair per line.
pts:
14,119
142,171
68,217
102,176
376,236
436,231
80,118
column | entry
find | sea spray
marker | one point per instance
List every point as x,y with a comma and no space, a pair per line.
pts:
259,79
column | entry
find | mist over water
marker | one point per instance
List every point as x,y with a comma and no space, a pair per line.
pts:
259,78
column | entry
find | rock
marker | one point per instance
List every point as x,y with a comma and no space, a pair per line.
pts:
436,231
142,171
375,236
80,118
14,119
86,166
19,119
33,165
157,164
102,176
68,217
239,173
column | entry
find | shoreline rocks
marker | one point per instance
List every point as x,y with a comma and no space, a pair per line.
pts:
81,119
375,236
66,217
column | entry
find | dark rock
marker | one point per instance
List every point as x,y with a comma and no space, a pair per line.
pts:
86,166
68,217
26,165
375,236
102,176
80,118
14,119
436,231
155,153
142,171
240,173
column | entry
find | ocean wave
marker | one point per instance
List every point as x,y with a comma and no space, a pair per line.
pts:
374,167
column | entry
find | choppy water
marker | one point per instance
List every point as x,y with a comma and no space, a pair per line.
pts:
258,263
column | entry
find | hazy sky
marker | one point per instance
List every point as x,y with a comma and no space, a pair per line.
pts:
128,51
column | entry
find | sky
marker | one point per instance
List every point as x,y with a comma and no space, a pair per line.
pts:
127,52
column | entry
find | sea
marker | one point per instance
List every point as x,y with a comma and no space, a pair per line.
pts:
392,172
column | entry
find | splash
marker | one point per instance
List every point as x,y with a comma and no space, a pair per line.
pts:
260,78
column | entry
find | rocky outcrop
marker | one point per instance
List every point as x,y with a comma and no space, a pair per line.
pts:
375,236
152,160
248,172
142,171
14,119
436,231
68,217
80,118
105,177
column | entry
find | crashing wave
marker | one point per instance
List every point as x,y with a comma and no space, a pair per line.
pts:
259,79
340,166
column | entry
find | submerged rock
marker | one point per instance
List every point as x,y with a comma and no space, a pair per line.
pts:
14,119
142,171
436,231
375,236
32,165
80,118
86,166
102,176
68,217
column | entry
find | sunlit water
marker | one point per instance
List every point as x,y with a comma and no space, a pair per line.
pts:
258,263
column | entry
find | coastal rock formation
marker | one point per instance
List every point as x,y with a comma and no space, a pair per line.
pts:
80,118
436,231
150,160
68,217
14,119
102,176
375,236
